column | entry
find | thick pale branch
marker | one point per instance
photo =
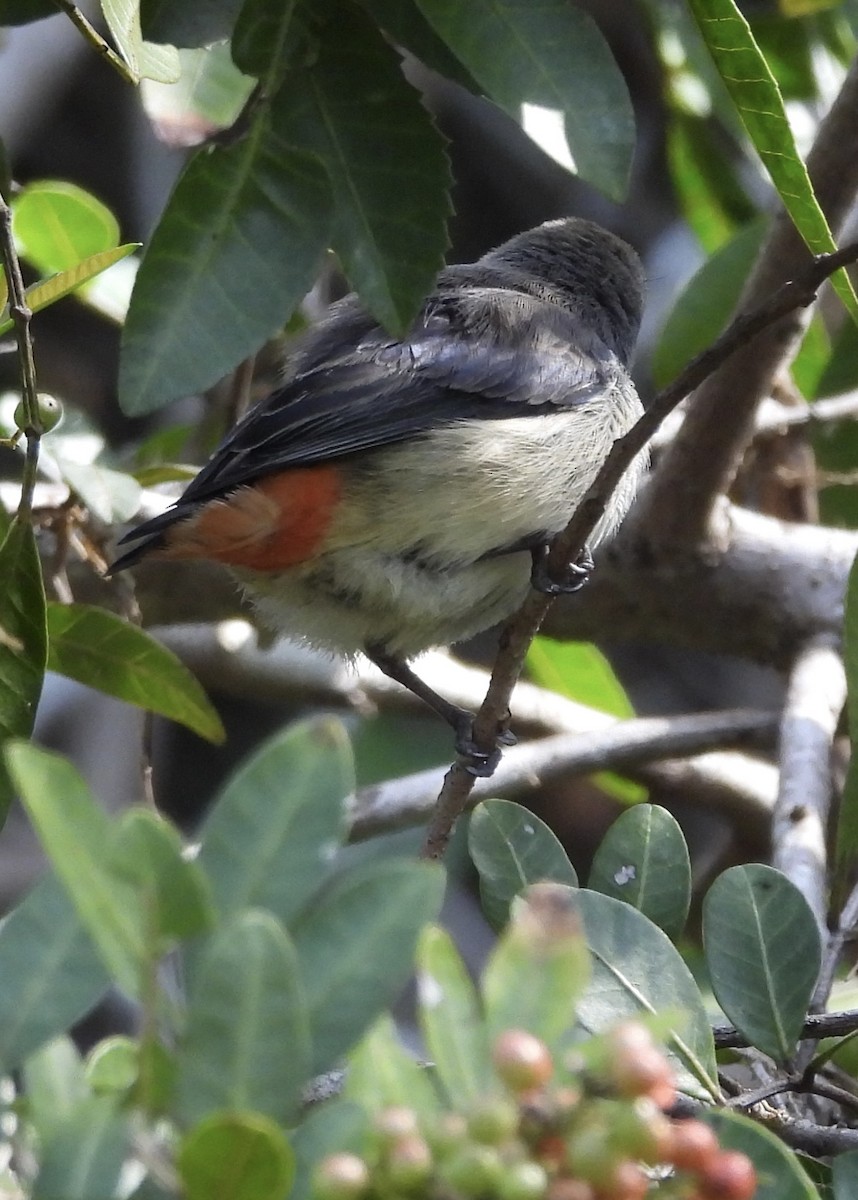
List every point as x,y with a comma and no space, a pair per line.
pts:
702,461
815,698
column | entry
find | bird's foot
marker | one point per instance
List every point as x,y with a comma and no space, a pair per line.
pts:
473,758
575,575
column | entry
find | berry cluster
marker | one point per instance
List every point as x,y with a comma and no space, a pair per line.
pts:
606,1137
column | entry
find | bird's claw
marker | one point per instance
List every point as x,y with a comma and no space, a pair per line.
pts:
473,758
576,573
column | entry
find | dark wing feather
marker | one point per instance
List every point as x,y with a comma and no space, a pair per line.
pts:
475,352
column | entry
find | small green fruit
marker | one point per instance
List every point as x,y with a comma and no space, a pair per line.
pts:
50,412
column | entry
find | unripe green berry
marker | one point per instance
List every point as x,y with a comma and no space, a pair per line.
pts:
341,1177
523,1181
474,1171
493,1121
394,1123
50,412
446,1133
408,1164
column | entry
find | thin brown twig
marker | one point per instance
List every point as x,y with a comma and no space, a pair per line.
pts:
84,26
816,1027
523,626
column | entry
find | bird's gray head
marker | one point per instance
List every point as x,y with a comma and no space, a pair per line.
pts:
586,269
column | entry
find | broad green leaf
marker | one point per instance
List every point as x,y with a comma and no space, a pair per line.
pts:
637,973
246,1045
385,160
382,1074
48,291
147,851
326,1129
549,55
99,649
83,1157
706,303
112,496
545,945
844,1176
142,58
358,940
57,224
76,835
758,99
780,1177
209,93
23,640
51,973
643,860
237,248
55,1084
579,671
451,1019
272,834
763,952
511,848
713,201
235,1156
268,39
406,26
191,23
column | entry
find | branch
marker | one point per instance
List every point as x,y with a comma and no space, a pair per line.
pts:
815,698
821,1141
702,461
402,803
816,1027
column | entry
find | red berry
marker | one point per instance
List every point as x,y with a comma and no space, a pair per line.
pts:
627,1182
569,1189
728,1176
522,1061
692,1145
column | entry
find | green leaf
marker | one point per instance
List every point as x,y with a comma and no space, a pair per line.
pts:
57,224
209,93
643,860
779,1175
235,1156
545,945
762,949
512,848
840,373
758,99
48,291
23,640
101,650
637,972
551,55
55,1084
382,1074
358,939
237,248
143,59
713,201
83,1157
75,834
451,1019
579,671
327,1128
191,23
147,851
272,834
844,1176
113,1065
112,496
385,159
406,26
50,970
706,303
269,39
247,1043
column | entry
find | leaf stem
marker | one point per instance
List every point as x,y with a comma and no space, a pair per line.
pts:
91,34
21,315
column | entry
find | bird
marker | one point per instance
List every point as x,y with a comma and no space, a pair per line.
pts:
393,494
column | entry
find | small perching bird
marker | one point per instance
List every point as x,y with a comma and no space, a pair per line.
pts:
396,494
